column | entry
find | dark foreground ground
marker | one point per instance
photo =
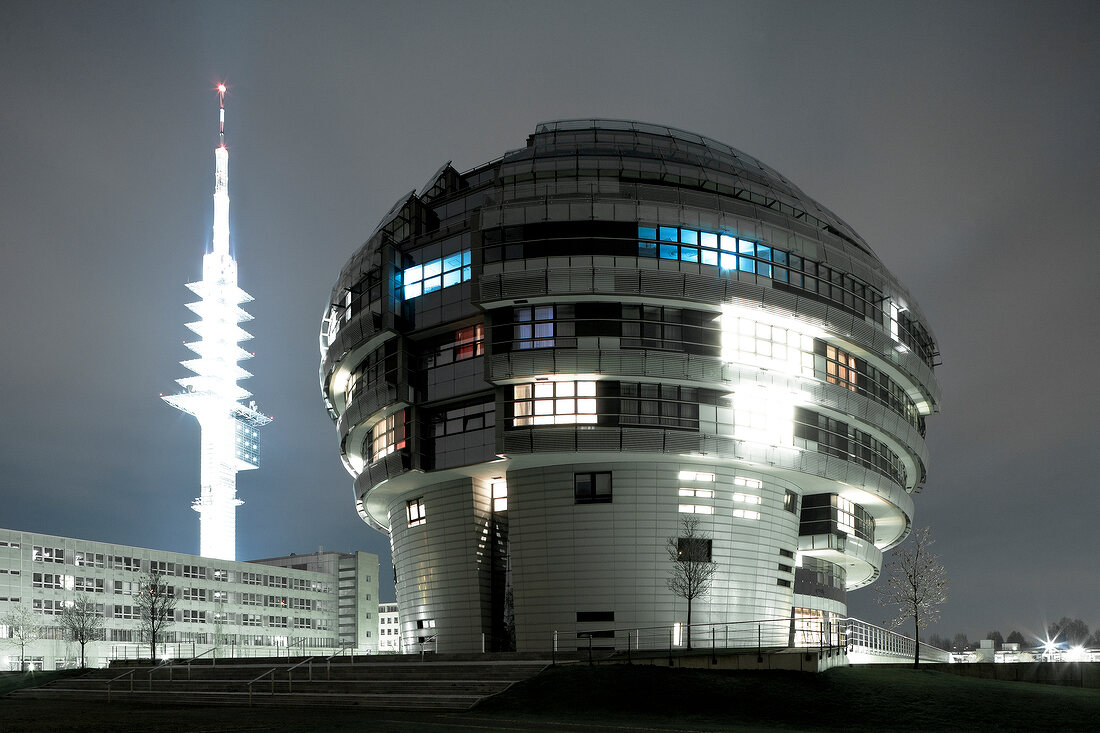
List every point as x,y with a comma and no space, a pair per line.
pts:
640,699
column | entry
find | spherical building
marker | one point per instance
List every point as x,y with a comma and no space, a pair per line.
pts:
540,367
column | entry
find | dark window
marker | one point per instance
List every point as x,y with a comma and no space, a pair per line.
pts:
790,503
693,549
786,553
595,616
784,583
592,488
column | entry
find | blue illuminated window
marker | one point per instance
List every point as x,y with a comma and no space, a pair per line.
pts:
710,248
436,274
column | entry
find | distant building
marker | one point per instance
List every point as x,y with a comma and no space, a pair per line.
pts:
389,629
537,368
307,604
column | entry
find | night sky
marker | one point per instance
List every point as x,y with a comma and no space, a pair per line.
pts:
959,139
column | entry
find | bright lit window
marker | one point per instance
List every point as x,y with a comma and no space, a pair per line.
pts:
749,483
698,493
695,509
746,339
746,498
745,514
414,509
387,435
436,274
695,476
764,415
498,489
554,403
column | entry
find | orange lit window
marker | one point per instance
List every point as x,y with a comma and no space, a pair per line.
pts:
840,368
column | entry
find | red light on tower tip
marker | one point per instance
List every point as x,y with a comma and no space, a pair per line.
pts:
221,88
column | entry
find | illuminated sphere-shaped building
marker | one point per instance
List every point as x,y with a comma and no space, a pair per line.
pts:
539,367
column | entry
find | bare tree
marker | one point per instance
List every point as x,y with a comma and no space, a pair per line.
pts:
916,585
83,621
24,628
1017,638
156,604
691,568
1073,631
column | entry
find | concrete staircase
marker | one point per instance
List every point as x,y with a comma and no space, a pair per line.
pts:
434,683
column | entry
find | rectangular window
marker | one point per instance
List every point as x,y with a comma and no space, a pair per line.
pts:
790,502
127,612
48,554
534,328
162,567
554,403
89,560
745,514
695,509
414,509
592,488
193,617
498,491
747,498
840,368
388,435
48,580
698,493
693,549
88,585
695,476
194,571
252,578
436,274
603,617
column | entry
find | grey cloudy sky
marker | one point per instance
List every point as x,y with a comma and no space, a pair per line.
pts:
958,138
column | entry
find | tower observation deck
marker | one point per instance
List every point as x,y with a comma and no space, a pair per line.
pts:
229,428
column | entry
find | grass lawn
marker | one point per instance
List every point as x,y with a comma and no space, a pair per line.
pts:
626,698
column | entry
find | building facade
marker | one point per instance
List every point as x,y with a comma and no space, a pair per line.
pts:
389,629
300,604
539,367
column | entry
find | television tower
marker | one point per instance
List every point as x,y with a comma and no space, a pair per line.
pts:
229,429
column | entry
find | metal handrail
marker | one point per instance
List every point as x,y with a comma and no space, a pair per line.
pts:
214,658
265,674
290,677
130,674
328,659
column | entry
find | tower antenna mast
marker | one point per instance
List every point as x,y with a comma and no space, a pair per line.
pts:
229,440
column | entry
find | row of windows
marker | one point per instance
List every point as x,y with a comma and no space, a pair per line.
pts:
728,252
637,326
746,340
435,275
836,438
833,514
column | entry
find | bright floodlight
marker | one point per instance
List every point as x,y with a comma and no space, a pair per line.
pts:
229,429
